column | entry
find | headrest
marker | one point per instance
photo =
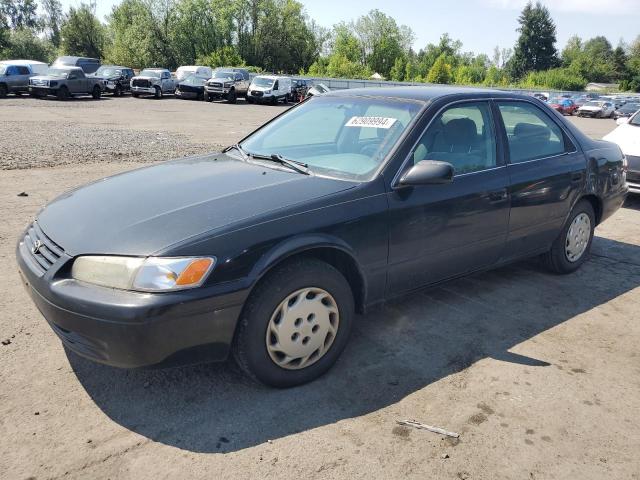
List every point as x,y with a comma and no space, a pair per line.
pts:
460,131
530,130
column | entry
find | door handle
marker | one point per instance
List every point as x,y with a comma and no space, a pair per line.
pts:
576,177
498,195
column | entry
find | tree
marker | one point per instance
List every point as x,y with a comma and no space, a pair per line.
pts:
24,43
52,20
535,49
20,13
440,72
82,33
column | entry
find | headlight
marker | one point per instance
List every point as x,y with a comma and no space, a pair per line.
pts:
152,274
267,92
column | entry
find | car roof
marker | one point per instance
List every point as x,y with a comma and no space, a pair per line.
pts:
21,62
156,68
68,67
112,66
425,93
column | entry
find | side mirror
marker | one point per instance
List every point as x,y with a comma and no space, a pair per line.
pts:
622,120
428,172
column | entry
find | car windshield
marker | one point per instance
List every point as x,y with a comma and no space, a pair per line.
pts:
151,73
263,82
593,104
108,72
635,120
344,137
193,80
57,72
223,74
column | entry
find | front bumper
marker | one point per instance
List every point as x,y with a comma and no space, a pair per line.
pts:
133,329
217,91
590,113
149,90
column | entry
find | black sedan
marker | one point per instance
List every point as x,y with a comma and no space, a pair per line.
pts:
191,87
626,110
268,249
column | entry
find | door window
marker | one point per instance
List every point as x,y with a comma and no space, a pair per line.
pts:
463,136
531,132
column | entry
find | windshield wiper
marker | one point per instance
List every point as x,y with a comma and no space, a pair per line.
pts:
291,164
236,146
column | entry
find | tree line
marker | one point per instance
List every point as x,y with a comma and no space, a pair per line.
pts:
279,36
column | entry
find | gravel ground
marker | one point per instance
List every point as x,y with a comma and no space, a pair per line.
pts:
540,374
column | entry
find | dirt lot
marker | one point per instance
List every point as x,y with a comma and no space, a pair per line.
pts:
539,374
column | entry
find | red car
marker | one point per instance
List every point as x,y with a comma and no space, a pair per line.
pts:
565,106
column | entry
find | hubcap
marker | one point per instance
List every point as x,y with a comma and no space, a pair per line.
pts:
302,328
578,237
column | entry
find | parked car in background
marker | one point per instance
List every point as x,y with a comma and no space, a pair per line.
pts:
541,96
228,83
627,137
580,100
88,65
191,87
563,105
36,67
318,89
626,110
65,82
299,90
268,249
197,70
117,79
153,81
269,89
14,79
596,109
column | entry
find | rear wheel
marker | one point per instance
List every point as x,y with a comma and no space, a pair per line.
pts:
571,248
96,93
135,94
63,93
295,324
118,91
3,90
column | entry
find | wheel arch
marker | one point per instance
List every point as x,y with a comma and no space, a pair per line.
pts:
329,250
596,203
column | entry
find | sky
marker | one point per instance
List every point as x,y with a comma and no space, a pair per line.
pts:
479,24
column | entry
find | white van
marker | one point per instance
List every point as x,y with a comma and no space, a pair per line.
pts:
197,70
37,68
269,88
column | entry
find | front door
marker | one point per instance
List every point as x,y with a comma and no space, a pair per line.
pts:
441,231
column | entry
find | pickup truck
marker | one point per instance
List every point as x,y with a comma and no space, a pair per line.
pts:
14,78
65,82
228,83
153,81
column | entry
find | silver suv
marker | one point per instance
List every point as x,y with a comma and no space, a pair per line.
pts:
228,83
14,79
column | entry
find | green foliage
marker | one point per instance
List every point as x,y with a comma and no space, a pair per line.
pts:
52,20
556,79
24,43
440,72
535,49
82,33
222,57
20,14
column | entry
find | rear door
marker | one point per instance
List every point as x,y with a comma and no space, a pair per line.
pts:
441,231
546,172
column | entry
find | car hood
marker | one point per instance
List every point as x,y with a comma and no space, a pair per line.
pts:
149,209
145,78
627,137
46,77
591,108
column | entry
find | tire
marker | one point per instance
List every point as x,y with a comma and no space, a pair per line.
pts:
3,90
232,97
274,100
208,98
135,94
96,93
249,99
558,260
158,94
292,278
118,91
62,93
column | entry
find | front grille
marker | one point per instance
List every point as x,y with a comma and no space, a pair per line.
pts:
256,93
39,82
633,165
139,82
215,84
47,252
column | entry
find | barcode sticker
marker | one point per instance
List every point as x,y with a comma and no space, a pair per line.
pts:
371,122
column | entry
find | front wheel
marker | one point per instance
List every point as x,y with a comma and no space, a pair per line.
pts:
295,324
158,93
232,97
571,248
96,93
118,91
63,93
